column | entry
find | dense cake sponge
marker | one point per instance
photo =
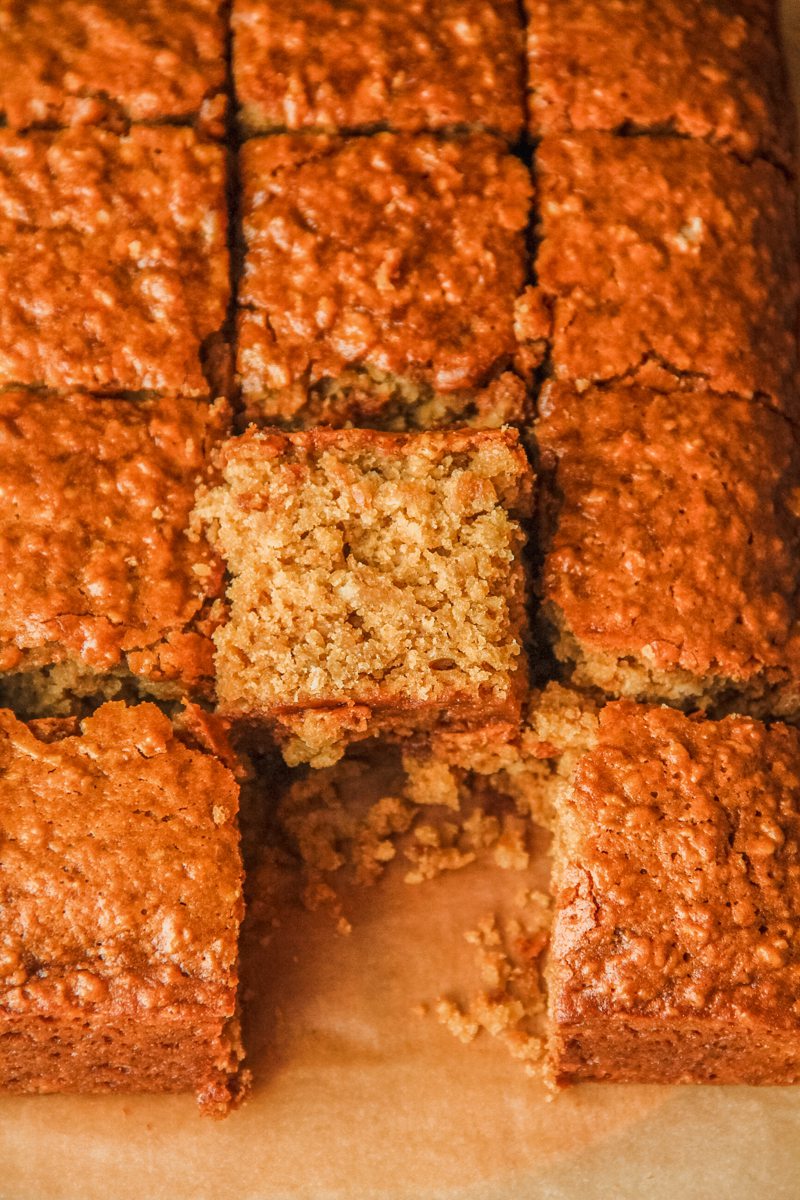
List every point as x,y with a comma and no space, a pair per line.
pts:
120,904
103,590
66,62
383,282
677,881
372,570
672,565
408,65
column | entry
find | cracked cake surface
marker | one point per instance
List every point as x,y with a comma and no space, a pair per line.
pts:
407,65
383,281
98,569
706,70
73,62
113,260
677,884
672,544
668,262
118,937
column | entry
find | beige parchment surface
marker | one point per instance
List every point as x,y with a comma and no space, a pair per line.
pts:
357,1097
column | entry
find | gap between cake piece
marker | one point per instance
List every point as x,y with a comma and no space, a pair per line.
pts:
380,817
405,65
121,899
384,282
667,262
702,70
113,261
376,581
110,62
104,590
671,537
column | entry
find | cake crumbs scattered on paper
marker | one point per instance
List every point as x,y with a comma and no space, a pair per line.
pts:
510,1005
463,797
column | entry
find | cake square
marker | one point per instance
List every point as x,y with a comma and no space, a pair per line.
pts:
709,70
672,546
120,905
668,261
68,62
113,260
375,578
369,64
674,955
383,282
103,588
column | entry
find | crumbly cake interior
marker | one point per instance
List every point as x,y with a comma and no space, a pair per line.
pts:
428,808
530,762
634,678
370,570
365,397
69,688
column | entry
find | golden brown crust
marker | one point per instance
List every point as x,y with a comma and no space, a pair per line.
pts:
96,561
666,260
678,902
407,65
676,532
381,272
113,259
371,571
706,69
67,62
128,922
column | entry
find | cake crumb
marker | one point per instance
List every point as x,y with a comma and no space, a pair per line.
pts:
510,1003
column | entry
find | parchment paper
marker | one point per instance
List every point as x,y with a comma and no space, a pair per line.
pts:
356,1096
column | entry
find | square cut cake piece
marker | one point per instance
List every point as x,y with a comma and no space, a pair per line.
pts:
668,262
120,906
113,261
405,65
376,580
65,62
103,589
704,68
672,546
674,955
383,282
